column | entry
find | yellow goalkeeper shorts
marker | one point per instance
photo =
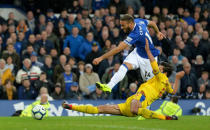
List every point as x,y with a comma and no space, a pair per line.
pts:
125,107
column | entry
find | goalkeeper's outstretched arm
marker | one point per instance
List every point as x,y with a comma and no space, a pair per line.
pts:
179,75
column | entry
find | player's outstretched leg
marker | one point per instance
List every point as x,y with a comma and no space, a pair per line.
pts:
153,115
81,108
103,109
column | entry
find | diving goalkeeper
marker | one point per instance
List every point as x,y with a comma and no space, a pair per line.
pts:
147,93
27,112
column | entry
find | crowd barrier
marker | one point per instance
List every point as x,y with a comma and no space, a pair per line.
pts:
7,108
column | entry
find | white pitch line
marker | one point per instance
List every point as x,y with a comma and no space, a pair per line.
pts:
116,127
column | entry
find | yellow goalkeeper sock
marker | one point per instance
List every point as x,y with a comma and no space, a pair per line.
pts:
85,108
150,114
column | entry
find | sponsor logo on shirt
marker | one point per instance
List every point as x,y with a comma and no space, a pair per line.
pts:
128,39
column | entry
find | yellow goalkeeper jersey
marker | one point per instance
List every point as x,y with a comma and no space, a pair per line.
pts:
156,86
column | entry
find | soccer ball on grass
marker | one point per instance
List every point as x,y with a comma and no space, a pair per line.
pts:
38,112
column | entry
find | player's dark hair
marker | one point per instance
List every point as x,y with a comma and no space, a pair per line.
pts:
167,67
127,18
174,99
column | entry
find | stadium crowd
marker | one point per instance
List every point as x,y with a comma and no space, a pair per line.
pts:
49,54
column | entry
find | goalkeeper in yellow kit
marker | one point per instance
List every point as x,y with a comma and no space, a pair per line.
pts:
147,93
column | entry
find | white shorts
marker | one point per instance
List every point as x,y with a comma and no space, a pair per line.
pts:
142,63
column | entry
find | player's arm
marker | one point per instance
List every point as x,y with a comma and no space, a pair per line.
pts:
112,52
153,62
157,31
179,75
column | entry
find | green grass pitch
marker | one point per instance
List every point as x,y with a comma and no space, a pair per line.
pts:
104,123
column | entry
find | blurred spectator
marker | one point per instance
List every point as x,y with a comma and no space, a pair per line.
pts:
107,46
41,26
71,23
88,28
135,4
26,91
188,79
18,43
87,80
141,12
34,61
188,18
86,46
197,49
57,94
61,37
10,65
22,27
67,53
44,42
203,4
43,90
81,68
74,93
116,36
31,41
74,41
120,6
11,52
1,44
51,16
5,73
59,68
98,29
72,63
118,91
67,78
48,68
8,90
52,38
28,72
54,55
27,53
31,21
177,53
64,15
156,13
189,94
199,65
207,93
76,8
43,82
204,79
201,92
11,19
97,4
132,90
162,56
41,55
184,49
92,55
205,40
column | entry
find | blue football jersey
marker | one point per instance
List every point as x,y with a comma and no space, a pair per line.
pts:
137,37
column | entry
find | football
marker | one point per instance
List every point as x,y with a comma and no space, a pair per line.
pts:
38,112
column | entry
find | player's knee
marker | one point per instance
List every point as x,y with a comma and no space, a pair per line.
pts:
128,65
100,109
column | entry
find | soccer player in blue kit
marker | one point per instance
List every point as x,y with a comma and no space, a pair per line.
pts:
137,29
